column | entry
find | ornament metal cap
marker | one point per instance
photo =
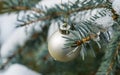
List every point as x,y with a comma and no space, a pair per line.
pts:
64,29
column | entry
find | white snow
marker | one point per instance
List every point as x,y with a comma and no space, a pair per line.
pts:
105,22
17,39
18,69
7,26
116,6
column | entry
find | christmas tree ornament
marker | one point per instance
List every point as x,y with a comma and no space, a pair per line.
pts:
116,6
56,45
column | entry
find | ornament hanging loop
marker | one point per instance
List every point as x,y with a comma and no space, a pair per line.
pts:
64,29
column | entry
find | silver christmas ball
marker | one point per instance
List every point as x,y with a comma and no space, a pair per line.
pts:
57,49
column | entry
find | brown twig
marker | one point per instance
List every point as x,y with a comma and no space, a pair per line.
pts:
40,19
88,8
86,39
10,58
114,16
19,8
113,61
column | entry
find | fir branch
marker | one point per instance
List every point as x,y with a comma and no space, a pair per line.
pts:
58,14
40,19
109,59
113,61
89,8
25,8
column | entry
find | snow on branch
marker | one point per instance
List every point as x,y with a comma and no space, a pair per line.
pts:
17,40
18,69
